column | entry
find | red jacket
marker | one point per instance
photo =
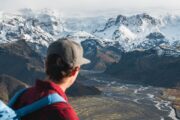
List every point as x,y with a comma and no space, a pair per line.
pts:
57,111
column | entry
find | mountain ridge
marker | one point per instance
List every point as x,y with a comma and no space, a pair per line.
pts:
139,31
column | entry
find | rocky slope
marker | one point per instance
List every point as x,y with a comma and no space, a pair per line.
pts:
99,55
147,67
20,61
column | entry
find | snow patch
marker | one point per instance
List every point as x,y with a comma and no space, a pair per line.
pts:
126,33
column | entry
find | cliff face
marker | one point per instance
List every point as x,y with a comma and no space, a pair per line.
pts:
147,67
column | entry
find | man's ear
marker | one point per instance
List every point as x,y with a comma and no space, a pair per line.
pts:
75,70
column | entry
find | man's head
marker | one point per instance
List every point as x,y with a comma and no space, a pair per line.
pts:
64,58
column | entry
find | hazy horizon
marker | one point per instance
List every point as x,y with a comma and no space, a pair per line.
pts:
91,5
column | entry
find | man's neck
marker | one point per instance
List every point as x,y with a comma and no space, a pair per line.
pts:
63,85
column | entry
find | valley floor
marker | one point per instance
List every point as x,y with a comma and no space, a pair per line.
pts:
126,103
121,100
102,108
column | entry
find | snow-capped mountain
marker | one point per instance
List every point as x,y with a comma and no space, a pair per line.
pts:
122,45
135,32
140,31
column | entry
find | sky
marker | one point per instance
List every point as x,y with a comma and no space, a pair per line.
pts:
89,5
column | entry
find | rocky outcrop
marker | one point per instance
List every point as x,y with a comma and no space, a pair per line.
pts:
147,67
78,89
155,35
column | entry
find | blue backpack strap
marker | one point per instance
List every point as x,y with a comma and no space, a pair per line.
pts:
16,96
50,99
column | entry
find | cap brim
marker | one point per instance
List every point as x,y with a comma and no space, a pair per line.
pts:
85,61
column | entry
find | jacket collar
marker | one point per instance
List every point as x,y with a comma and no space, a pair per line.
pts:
42,84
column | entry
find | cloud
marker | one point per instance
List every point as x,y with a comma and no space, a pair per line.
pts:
71,5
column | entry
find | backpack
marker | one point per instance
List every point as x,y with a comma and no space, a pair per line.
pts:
7,113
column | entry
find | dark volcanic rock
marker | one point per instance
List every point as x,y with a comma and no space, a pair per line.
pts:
146,67
9,86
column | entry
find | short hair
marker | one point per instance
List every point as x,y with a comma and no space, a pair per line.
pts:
57,68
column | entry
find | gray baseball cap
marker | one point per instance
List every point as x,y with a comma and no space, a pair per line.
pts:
70,51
